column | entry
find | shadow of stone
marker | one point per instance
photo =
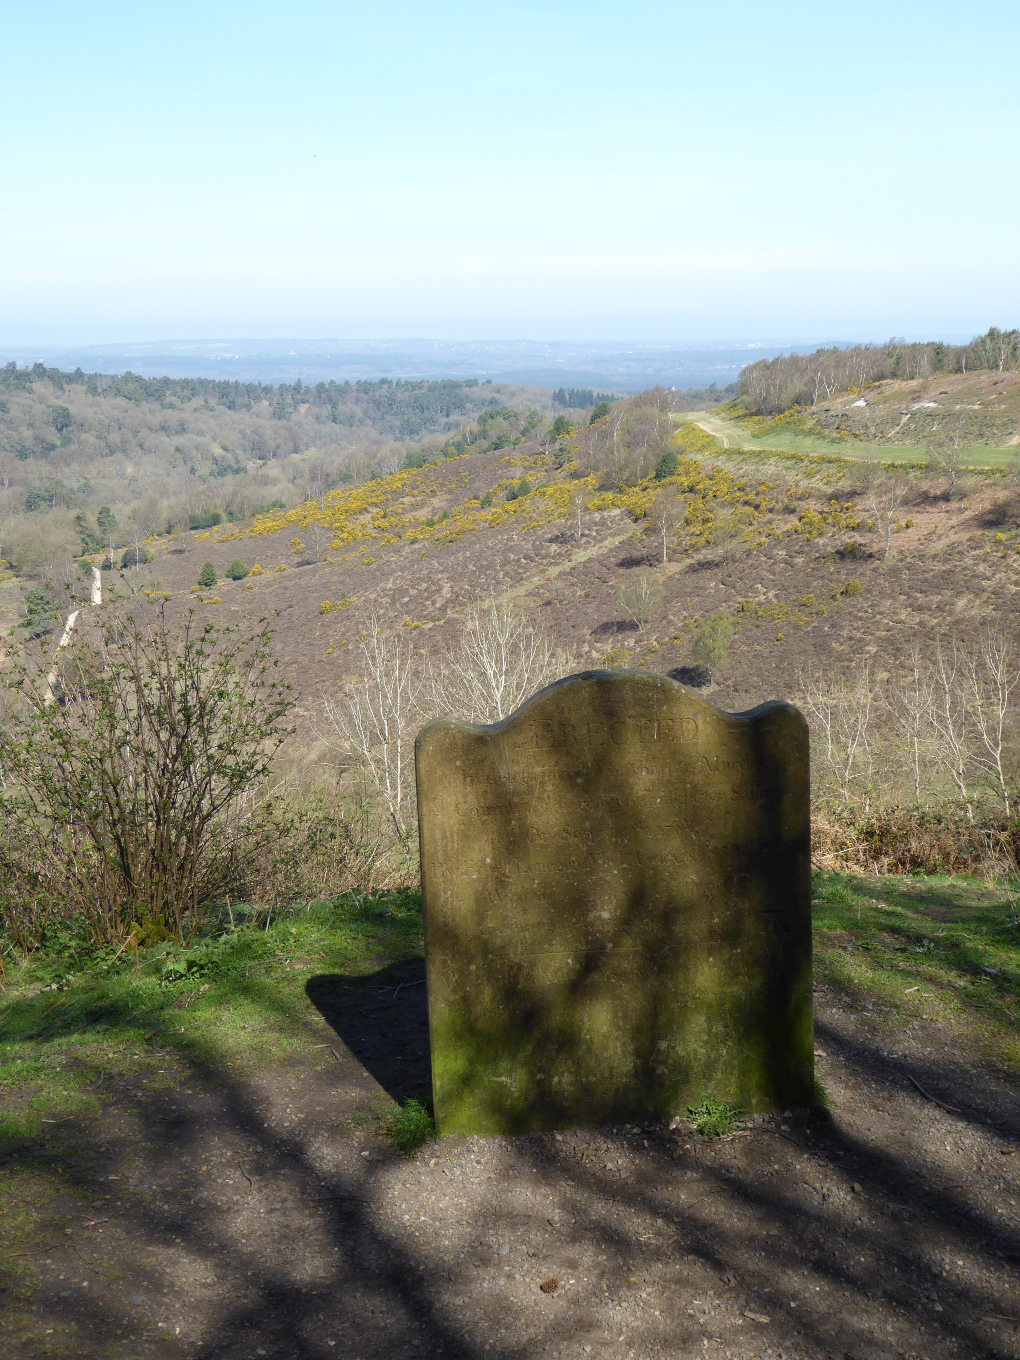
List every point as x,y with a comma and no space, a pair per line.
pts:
382,1017
694,677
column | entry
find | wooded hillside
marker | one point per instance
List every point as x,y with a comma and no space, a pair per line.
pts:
145,456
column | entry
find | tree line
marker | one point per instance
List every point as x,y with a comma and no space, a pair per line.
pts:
409,407
771,386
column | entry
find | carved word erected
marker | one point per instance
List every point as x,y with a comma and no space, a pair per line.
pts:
616,883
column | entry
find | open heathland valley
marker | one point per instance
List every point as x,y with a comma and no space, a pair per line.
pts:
216,1133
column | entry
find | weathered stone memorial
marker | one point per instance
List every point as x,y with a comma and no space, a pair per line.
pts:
617,907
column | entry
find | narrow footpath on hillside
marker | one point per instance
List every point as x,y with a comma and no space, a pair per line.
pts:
717,427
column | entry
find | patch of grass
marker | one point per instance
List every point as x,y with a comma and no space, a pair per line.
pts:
945,948
822,1096
713,1117
236,994
410,1127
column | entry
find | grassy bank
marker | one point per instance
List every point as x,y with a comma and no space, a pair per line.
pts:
941,948
234,999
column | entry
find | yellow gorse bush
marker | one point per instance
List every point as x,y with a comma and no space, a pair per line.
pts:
718,503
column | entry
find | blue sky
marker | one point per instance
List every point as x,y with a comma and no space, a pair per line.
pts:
563,170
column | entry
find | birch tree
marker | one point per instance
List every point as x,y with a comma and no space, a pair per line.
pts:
666,515
500,659
374,719
841,713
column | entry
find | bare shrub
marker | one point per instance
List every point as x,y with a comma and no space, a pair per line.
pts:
945,727
374,718
499,661
639,595
119,805
910,699
840,714
893,840
992,673
307,843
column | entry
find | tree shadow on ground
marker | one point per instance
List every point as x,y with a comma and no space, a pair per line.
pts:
694,677
255,1229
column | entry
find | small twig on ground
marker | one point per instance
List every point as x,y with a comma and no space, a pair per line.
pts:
934,1099
251,1183
121,950
158,1030
419,983
787,1136
334,1054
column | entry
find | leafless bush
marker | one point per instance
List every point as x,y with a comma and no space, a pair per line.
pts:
944,726
840,715
639,595
910,698
307,843
895,840
374,718
501,659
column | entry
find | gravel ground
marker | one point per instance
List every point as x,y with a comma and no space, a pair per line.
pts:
246,1214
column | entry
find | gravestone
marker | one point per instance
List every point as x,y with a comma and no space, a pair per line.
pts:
616,885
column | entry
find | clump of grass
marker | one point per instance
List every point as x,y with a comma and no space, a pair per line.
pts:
821,1095
713,1117
410,1127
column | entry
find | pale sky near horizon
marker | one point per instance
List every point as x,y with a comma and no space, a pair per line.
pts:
564,170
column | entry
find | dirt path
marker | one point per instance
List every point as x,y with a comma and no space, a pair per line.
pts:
234,1214
95,598
716,427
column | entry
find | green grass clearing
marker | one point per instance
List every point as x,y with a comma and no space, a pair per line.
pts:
943,949
235,997
736,438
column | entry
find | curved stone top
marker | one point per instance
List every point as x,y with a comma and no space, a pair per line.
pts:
617,905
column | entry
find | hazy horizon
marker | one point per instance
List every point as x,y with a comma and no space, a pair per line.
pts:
623,365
